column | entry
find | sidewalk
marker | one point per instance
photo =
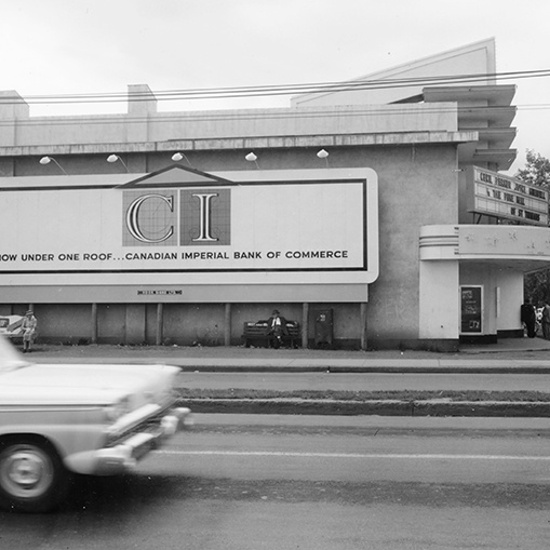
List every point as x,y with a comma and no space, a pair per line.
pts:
508,355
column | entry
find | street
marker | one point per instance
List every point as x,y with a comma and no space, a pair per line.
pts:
364,381
315,483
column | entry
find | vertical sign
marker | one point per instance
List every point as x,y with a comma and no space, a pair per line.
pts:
471,301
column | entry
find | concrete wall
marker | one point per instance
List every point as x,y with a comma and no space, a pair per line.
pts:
183,324
64,323
77,133
509,300
415,185
194,324
439,308
111,320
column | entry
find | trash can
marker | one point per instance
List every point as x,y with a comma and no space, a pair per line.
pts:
324,328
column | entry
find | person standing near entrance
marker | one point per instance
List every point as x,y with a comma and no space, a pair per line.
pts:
29,330
529,318
545,321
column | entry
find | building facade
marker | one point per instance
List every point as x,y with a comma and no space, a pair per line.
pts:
374,219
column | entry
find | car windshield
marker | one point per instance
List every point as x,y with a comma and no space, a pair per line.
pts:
10,358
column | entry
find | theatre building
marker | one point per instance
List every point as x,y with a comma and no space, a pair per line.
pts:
373,217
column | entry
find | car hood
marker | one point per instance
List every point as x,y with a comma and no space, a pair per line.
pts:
86,384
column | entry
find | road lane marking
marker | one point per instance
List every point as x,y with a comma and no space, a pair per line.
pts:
355,455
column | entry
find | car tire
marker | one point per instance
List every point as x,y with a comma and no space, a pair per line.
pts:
32,476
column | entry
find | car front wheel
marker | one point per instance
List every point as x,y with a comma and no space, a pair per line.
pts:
32,476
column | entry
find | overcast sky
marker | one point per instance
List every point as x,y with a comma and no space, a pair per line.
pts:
52,47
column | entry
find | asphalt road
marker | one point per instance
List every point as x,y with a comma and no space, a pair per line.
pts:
239,483
365,381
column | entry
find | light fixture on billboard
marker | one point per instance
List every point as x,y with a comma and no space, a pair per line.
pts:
322,154
251,157
176,157
46,160
113,158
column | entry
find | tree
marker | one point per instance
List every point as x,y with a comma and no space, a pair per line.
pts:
536,286
536,172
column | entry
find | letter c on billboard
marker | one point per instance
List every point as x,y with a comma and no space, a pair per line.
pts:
133,218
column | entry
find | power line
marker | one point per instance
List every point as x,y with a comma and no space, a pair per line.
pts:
275,90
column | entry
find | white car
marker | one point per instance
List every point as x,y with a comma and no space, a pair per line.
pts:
60,419
11,326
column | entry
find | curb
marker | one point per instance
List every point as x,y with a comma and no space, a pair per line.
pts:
361,408
350,369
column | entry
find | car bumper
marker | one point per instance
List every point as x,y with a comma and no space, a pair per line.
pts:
125,455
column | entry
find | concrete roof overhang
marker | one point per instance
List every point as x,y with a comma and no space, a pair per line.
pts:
500,138
500,117
470,153
492,95
502,157
247,142
486,109
518,247
522,265
497,150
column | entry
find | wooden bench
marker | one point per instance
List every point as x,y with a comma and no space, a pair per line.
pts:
256,333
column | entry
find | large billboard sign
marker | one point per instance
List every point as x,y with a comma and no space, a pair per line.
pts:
504,197
318,225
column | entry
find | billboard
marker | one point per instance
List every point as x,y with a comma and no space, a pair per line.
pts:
302,225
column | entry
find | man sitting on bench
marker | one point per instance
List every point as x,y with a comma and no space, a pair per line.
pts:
276,328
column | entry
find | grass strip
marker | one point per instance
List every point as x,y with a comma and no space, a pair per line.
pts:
397,395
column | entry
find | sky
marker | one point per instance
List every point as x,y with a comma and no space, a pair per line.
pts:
58,47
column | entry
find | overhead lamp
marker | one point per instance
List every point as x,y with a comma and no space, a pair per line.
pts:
322,154
176,157
114,158
251,157
46,160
